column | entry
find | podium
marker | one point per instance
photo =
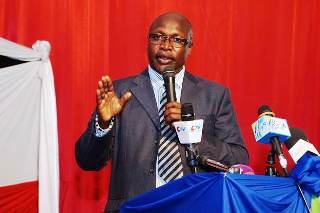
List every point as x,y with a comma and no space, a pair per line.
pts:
222,192
225,192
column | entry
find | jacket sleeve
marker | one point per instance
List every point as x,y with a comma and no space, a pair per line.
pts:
92,153
226,144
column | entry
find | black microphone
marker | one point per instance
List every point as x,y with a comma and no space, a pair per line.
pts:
187,114
212,164
298,145
274,140
296,134
169,83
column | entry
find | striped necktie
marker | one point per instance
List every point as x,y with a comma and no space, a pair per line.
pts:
169,158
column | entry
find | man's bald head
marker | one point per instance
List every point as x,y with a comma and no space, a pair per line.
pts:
170,42
172,16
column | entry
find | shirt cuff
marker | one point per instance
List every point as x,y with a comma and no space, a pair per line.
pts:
102,132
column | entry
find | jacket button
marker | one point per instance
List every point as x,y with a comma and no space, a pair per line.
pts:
151,171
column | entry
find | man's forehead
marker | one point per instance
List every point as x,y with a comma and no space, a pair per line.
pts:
172,24
169,25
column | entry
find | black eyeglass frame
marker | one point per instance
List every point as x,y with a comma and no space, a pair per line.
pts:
162,38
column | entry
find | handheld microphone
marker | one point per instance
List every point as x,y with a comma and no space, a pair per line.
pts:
169,83
298,145
268,129
187,114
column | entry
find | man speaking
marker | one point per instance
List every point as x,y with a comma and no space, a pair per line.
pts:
132,122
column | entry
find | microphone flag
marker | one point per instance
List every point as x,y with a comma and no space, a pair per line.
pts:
266,127
189,131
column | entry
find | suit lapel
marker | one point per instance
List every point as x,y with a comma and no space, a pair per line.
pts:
189,86
143,91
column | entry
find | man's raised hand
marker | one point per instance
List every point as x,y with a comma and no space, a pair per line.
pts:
108,103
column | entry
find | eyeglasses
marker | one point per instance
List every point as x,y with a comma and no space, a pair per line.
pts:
174,41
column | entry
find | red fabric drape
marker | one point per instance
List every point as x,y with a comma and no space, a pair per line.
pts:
19,198
266,52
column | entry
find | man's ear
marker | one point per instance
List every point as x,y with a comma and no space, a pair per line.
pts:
188,50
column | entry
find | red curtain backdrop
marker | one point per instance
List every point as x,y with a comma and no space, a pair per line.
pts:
266,52
19,198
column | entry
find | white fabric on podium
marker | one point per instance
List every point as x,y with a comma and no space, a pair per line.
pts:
28,122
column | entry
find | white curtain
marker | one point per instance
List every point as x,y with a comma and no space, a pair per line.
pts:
28,122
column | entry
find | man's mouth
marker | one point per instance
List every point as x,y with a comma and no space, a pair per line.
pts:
164,59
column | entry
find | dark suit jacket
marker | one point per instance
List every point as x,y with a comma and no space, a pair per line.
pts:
133,143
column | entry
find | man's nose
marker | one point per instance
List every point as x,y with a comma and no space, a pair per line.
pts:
166,44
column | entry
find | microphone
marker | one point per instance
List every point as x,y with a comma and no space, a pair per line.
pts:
189,132
298,145
268,126
212,164
217,166
187,114
169,83
269,129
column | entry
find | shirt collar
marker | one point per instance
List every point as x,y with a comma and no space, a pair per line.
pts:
158,79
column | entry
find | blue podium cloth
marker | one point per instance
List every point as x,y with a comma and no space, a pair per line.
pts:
307,173
222,192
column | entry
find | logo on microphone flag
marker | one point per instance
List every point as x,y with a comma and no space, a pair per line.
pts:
266,127
189,131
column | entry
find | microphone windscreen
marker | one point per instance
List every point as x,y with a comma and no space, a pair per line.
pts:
264,108
187,113
296,134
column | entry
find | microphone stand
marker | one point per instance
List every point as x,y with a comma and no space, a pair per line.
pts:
270,169
191,158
